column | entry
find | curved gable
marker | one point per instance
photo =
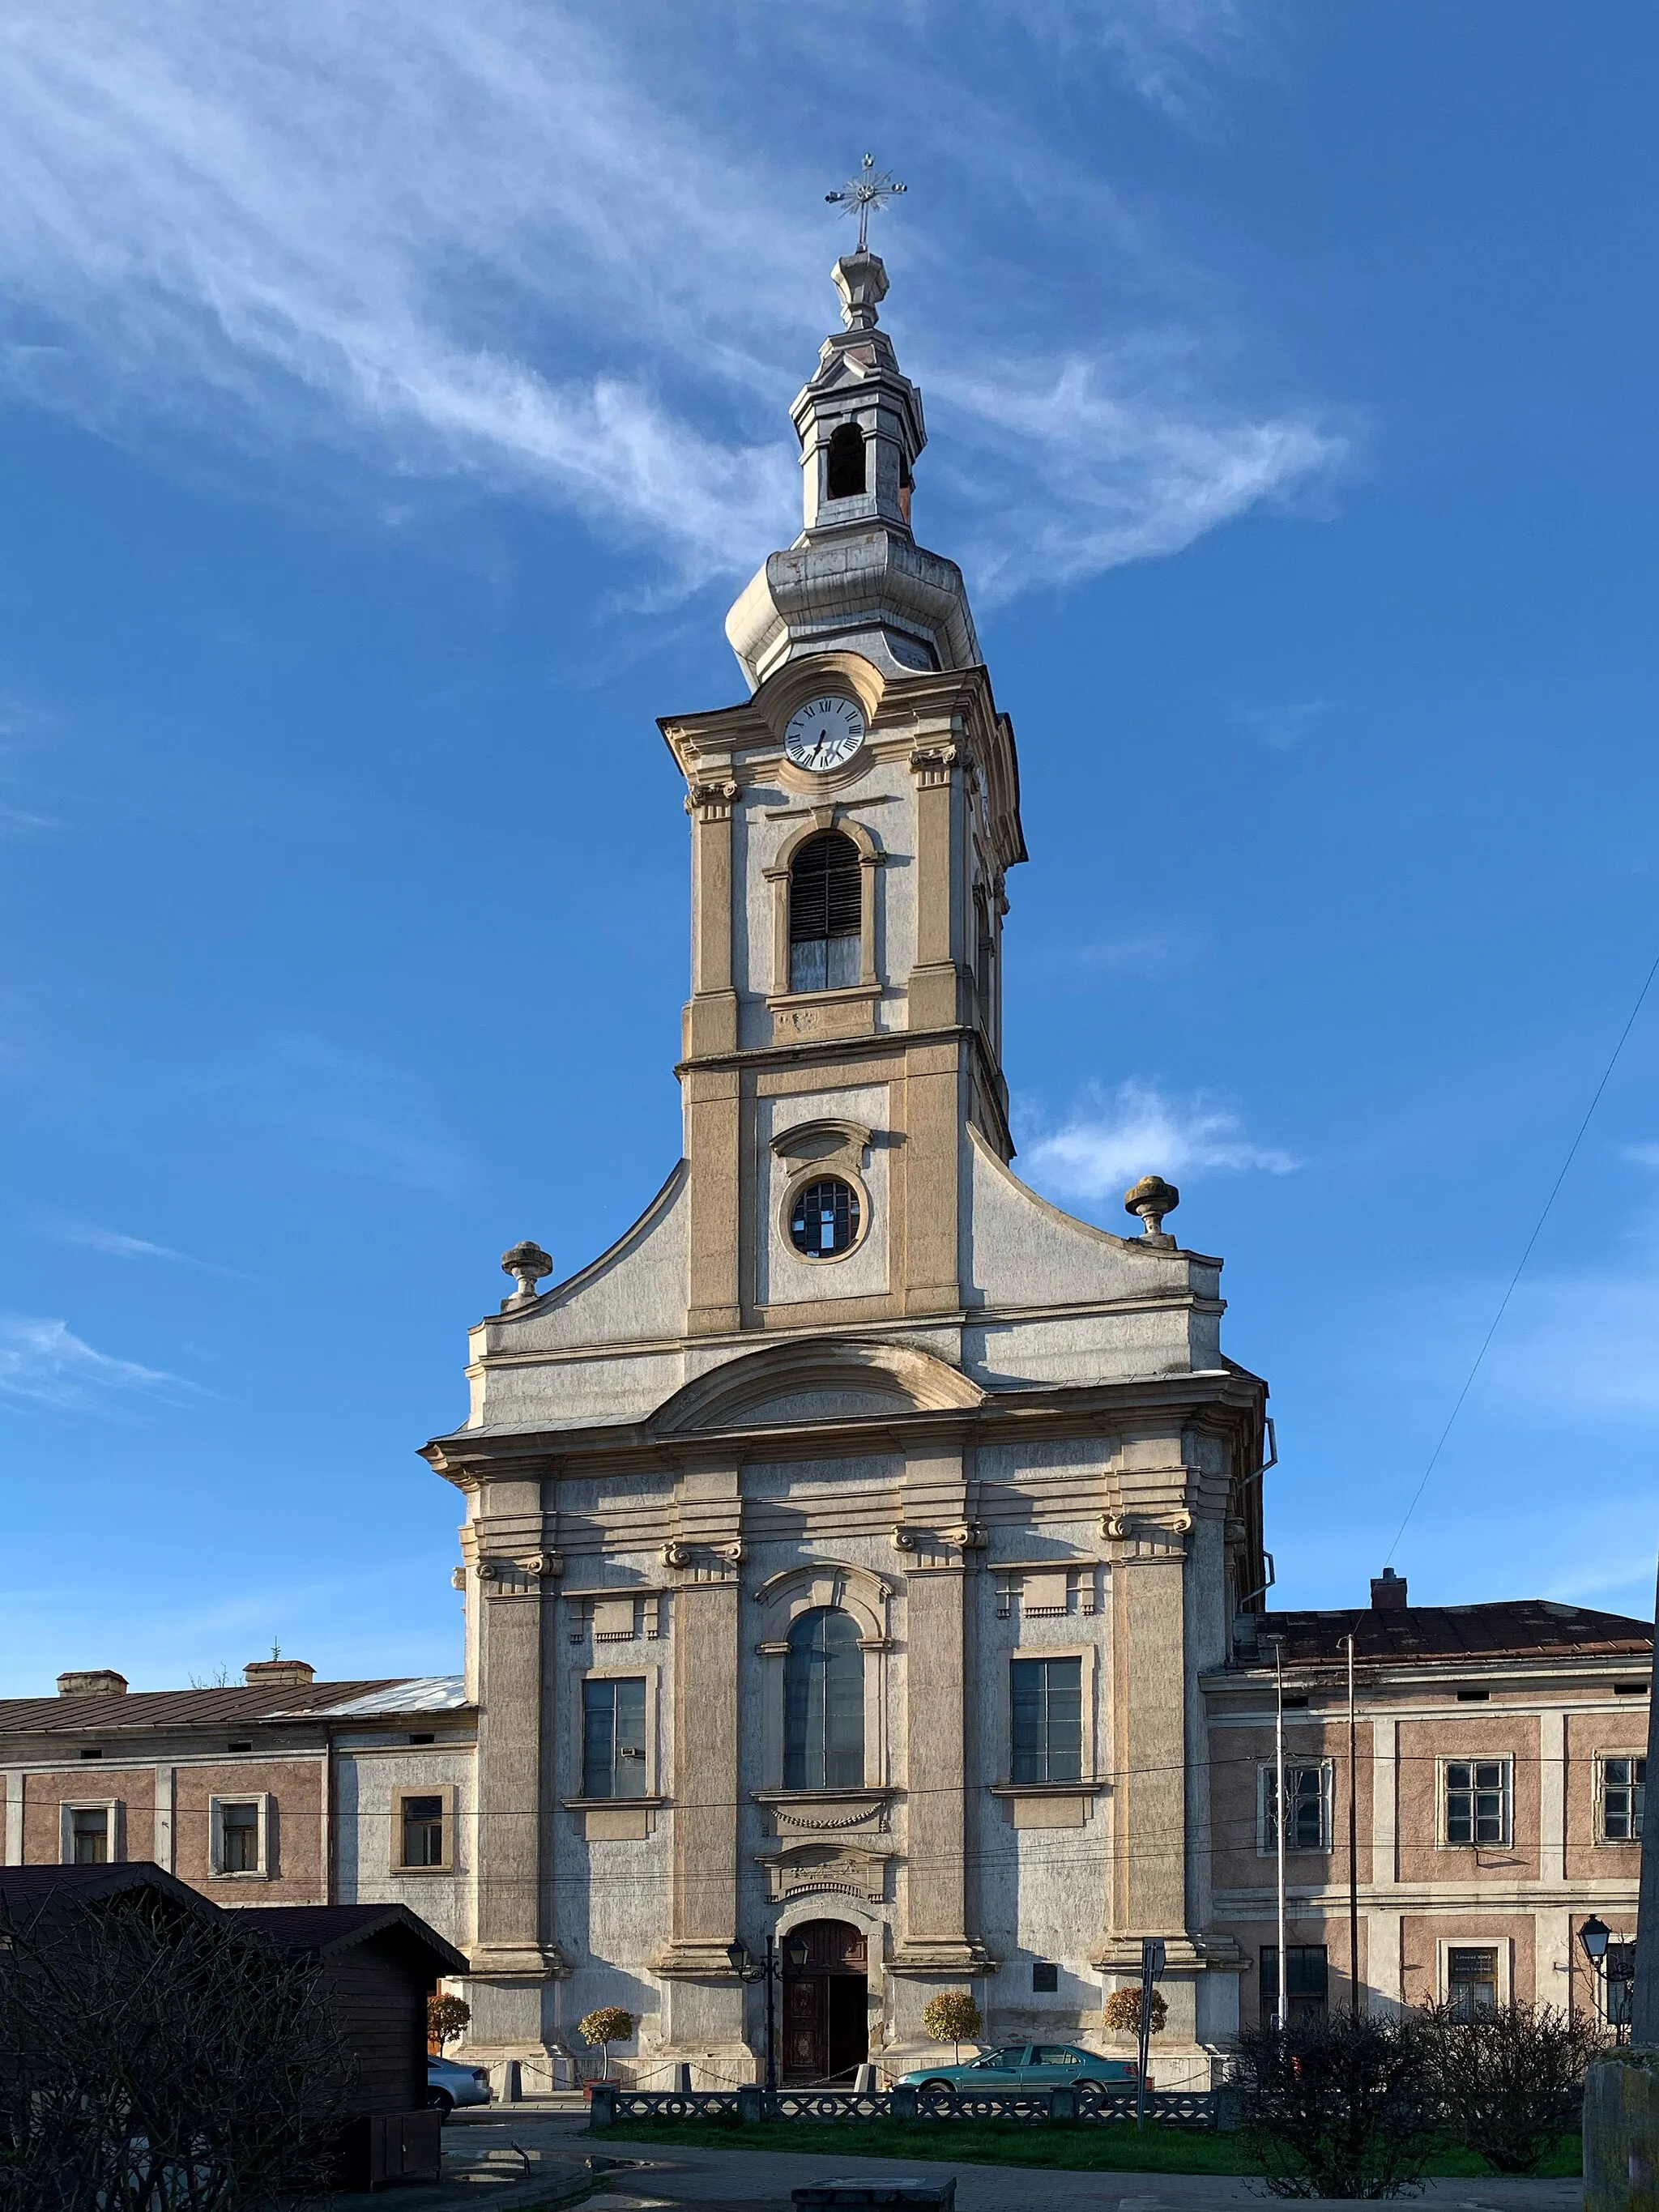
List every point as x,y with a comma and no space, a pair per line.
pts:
824,1379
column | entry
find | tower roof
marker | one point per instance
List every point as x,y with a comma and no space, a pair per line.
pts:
855,580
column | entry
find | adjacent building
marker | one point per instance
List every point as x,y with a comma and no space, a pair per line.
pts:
278,1791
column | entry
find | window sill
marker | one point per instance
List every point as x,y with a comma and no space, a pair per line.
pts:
647,1802
405,1873
843,994
1096,1787
241,1873
843,1794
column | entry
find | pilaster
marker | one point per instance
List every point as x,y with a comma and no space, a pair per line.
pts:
517,1707
1149,1531
708,1555
941,1558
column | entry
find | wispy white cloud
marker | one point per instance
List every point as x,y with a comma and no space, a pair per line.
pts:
87,1238
1577,1345
481,243
1091,471
341,1113
1144,954
44,1363
1284,727
1112,1141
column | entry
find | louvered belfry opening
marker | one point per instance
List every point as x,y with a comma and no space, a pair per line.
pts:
825,912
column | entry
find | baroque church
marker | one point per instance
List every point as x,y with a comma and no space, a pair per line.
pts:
843,1548
863,1559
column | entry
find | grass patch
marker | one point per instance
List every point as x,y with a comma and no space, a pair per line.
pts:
1111,2146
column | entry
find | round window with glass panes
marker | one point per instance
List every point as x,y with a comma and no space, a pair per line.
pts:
823,1219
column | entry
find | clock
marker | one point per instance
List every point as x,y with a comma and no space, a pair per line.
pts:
824,733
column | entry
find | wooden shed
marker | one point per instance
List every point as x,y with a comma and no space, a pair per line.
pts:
380,1963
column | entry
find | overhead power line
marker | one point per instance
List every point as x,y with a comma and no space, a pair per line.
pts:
1537,1227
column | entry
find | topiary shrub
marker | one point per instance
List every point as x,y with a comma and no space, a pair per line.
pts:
952,2017
605,2025
445,2018
1122,2014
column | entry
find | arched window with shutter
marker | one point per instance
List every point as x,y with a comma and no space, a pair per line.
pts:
823,1702
826,901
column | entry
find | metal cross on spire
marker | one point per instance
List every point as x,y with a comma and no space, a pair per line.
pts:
864,192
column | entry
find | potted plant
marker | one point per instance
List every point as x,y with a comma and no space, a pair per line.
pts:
605,2025
952,2017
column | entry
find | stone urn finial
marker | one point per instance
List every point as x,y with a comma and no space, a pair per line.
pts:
526,1263
1151,1198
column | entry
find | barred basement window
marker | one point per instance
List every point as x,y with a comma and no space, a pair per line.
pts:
824,1218
826,907
1472,1979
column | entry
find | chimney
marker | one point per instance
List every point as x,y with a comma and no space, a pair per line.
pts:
278,1675
1388,1592
93,1682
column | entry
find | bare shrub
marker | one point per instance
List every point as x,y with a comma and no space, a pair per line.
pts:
1342,2106
1508,2084
154,2060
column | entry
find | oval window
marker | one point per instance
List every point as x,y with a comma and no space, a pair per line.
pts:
824,1218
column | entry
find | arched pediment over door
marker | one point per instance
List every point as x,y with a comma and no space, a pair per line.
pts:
820,1379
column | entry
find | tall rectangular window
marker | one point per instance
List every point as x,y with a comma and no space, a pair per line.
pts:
1472,1979
90,1835
238,1839
1048,1720
1308,1979
1308,1807
423,1822
1624,1788
613,1738
1477,1801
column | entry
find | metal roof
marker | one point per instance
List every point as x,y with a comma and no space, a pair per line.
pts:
136,1710
1421,1634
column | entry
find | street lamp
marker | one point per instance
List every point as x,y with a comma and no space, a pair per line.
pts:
797,1950
1595,1936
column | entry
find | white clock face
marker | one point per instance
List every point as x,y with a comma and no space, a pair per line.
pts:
824,733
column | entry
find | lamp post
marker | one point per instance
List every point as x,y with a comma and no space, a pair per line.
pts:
748,1969
1594,1935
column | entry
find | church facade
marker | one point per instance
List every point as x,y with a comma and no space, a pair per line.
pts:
847,1547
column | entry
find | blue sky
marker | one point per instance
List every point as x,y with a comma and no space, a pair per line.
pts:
391,401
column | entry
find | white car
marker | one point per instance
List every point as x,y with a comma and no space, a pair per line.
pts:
448,2085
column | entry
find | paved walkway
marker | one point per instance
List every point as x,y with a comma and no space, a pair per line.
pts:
760,2180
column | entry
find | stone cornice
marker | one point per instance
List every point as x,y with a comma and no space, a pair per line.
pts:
1212,1401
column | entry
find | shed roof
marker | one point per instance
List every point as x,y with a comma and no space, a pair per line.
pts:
325,1929
1423,1635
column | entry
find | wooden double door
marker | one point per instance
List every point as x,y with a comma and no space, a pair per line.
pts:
826,2031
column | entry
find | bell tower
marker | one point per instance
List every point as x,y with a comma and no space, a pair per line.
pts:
852,824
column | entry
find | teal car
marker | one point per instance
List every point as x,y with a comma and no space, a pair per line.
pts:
1028,2066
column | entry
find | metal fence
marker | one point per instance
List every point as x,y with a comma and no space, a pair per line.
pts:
1191,2108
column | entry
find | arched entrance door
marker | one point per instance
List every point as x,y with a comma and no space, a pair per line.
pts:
826,2030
